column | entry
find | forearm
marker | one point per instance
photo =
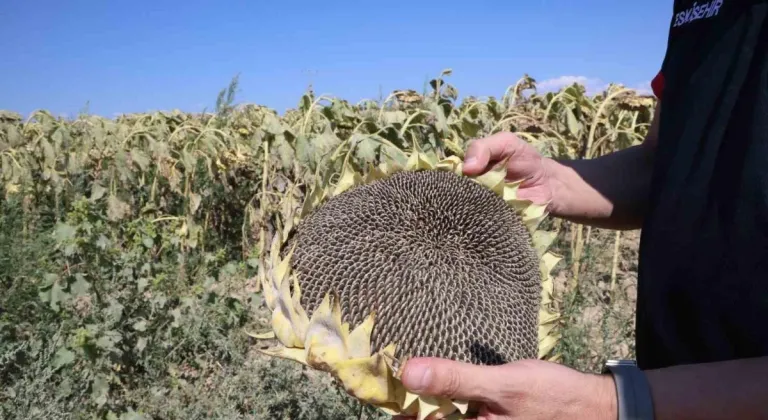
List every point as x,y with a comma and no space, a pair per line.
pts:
724,390
610,191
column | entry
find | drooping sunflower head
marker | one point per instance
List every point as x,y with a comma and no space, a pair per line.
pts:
410,262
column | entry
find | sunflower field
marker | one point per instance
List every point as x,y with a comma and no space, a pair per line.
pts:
130,247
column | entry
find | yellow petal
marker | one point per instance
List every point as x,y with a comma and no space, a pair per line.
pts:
542,240
297,355
548,263
418,161
359,342
284,266
312,200
434,407
533,215
452,164
326,340
299,320
349,178
461,405
263,336
547,344
410,403
268,291
368,379
283,329
374,174
510,191
288,325
493,180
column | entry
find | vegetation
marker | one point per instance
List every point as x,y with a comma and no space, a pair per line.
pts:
129,247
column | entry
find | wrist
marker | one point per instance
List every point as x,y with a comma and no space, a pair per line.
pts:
605,400
560,176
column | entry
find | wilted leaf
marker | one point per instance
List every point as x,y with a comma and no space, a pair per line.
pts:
573,124
441,123
285,153
97,191
116,209
194,202
140,325
48,153
272,125
14,137
365,147
470,129
140,158
394,117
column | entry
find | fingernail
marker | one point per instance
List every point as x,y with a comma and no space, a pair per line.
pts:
417,378
471,161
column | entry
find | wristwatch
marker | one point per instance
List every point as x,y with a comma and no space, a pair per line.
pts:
634,393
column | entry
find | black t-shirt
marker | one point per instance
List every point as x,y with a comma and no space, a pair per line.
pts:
703,275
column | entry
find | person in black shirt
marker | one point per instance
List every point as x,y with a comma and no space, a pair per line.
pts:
698,188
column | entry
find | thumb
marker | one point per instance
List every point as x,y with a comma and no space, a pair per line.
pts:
450,379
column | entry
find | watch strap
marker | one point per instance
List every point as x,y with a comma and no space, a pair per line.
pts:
634,394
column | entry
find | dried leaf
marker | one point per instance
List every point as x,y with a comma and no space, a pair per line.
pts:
117,209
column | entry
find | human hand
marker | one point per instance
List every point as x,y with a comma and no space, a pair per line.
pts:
528,389
524,162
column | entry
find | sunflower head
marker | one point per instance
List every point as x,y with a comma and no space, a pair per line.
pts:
408,262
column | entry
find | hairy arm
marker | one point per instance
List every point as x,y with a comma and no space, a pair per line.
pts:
610,191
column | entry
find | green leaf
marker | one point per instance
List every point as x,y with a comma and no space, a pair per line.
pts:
64,233
142,284
108,340
114,312
141,344
103,242
62,358
100,390
80,287
140,325
54,295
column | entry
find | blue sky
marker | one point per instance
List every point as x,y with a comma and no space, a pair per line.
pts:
136,56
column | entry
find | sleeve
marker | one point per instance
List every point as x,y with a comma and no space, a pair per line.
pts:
657,84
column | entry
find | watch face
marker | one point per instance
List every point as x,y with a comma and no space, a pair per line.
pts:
621,363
